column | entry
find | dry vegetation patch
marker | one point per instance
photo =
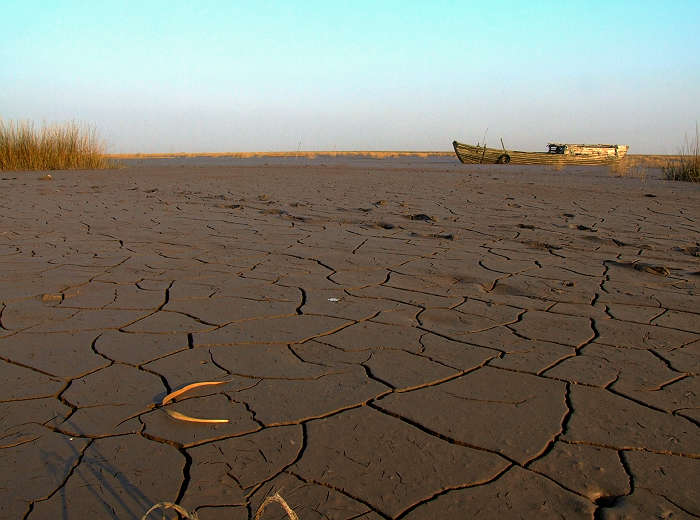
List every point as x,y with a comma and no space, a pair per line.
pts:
685,167
636,167
65,146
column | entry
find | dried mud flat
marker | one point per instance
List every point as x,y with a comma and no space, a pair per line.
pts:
402,338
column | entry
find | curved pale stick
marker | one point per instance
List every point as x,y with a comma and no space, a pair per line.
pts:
176,393
187,418
173,395
182,417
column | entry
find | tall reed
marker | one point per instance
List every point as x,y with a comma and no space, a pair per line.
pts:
686,167
51,147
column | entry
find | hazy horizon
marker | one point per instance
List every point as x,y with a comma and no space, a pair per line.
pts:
270,76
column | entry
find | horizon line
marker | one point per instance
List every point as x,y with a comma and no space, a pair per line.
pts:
315,153
290,153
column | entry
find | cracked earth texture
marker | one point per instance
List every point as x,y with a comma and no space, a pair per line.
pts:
401,338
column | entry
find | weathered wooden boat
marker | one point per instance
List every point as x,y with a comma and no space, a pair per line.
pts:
557,154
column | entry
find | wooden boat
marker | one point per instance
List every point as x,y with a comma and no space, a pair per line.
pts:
557,154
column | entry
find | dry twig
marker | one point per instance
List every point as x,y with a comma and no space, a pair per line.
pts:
281,501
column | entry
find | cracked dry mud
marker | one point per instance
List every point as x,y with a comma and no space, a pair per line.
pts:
400,338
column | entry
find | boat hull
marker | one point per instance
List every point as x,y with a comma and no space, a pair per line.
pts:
591,155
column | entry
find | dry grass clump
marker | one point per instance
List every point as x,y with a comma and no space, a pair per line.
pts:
650,161
686,167
66,146
635,167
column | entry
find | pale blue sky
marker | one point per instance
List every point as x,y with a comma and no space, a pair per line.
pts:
372,75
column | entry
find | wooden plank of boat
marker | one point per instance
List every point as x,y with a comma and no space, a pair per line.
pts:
559,154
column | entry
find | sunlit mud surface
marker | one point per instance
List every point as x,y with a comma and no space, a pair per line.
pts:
400,338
